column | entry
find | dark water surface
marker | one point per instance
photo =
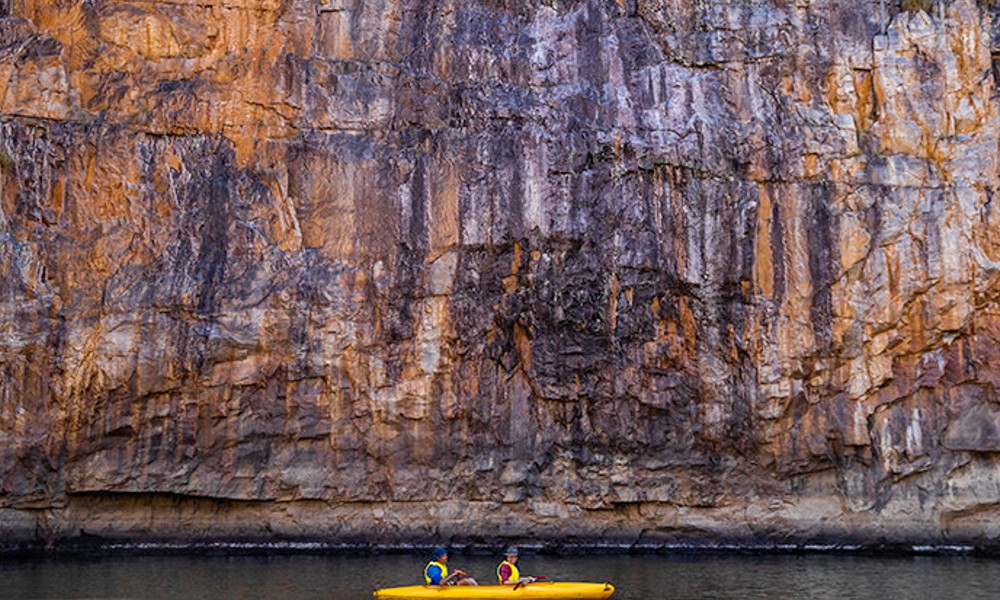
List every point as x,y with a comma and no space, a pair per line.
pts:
636,577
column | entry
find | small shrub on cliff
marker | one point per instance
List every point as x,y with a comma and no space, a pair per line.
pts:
915,5
6,162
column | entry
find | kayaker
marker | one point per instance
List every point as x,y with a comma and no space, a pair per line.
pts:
436,571
507,571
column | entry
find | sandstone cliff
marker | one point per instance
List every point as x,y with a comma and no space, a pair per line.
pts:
645,272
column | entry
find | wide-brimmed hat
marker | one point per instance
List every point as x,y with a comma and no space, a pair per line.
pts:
511,551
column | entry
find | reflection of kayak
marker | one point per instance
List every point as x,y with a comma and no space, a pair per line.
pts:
549,590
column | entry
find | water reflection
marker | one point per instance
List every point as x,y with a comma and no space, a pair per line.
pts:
681,577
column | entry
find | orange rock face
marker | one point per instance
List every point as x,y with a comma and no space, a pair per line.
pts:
640,272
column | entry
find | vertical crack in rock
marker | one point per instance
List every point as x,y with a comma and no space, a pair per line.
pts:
213,192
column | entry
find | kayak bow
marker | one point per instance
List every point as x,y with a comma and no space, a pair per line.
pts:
549,590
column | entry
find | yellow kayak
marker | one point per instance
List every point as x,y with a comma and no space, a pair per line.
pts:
548,590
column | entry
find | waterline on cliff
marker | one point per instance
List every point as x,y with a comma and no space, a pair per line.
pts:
97,547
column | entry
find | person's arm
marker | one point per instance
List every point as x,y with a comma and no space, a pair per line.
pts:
505,574
454,574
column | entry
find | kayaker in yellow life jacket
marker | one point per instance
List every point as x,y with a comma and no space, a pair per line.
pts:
436,571
507,571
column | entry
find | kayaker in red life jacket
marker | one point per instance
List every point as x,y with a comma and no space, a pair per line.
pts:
436,571
507,571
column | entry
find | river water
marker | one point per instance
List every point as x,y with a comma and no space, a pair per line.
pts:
702,577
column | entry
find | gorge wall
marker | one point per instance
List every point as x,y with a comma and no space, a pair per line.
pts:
638,272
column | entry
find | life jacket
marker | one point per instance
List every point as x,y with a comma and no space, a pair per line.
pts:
515,574
434,563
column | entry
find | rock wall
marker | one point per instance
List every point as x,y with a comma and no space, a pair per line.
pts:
639,272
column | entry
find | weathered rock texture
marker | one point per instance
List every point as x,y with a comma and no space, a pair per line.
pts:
621,271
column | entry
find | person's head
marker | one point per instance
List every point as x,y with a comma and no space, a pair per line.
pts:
440,554
511,554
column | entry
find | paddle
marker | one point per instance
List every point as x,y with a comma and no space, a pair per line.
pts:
456,574
535,577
